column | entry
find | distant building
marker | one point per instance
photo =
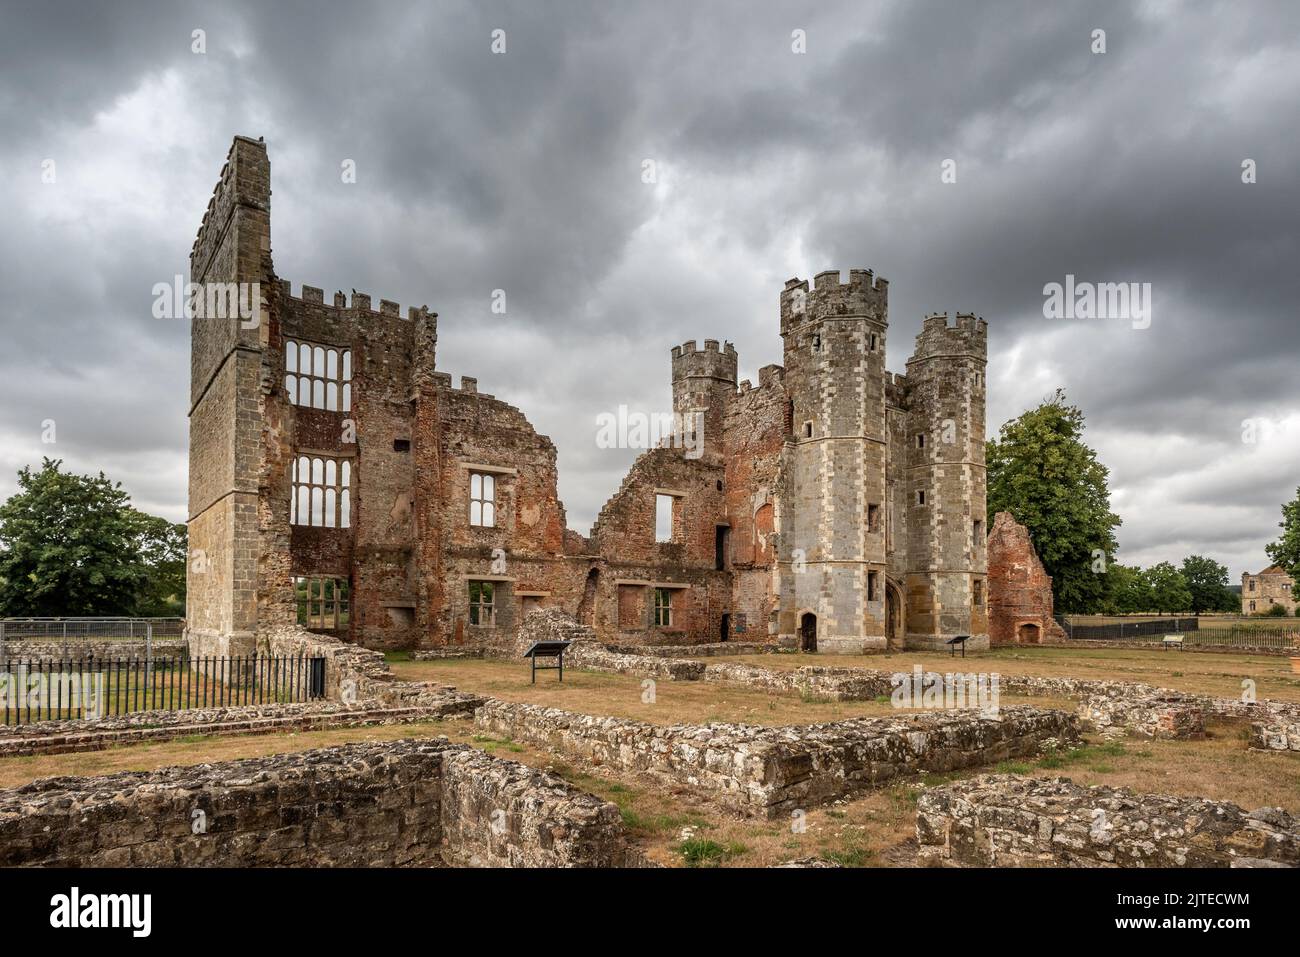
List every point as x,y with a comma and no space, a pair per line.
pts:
1270,587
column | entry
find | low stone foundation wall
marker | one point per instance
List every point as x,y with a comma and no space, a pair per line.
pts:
770,771
404,803
717,649
593,656
829,683
105,649
1156,713
440,654
1010,821
1278,735
65,737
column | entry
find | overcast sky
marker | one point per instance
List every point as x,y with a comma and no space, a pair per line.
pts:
523,171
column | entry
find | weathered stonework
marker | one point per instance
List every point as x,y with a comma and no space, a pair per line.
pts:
395,804
103,650
834,505
1272,586
1010,821
1020,590
772,771
62,737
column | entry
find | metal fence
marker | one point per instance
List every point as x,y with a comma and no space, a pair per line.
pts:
90,688
74,629
1209,631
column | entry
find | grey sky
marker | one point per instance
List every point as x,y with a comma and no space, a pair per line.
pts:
523,172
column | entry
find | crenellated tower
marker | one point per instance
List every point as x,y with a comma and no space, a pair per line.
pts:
704,381
831,548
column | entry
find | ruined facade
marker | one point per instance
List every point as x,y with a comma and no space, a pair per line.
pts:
339,479
1272,586
1020,590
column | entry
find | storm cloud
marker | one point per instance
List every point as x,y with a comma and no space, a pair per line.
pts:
523,171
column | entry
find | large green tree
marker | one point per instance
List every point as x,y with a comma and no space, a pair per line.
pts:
1128,591
1207,581
73,545
1040,470
1285,552
1168,589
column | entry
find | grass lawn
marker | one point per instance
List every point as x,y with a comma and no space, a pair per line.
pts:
674,702
1202,673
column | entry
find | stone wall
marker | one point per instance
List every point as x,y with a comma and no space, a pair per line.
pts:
1010,821
771,771
62,737
392,804
105,649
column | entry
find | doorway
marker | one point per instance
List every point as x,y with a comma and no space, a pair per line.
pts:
726,626
808,632
893,616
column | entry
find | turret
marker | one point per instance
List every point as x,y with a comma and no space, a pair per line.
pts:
704,380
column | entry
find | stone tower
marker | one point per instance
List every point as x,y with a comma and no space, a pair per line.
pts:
943,480
831,549
704,380
233,246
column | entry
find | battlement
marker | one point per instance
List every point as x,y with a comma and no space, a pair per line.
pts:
360,302
244,178
966,335
865,296
712,361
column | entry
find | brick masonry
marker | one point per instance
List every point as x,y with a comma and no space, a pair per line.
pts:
781,533
1020,590
1010,821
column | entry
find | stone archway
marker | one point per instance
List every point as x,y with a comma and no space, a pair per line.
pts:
893,615
1028,634
808,632
587,606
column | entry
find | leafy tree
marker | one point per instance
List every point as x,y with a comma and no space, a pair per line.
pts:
1285,552
1128,592
163,549
73,545
1169,591
1208,582
1041,472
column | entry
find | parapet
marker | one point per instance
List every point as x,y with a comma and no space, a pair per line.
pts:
245,179
966,336
361,302
865,296
710,362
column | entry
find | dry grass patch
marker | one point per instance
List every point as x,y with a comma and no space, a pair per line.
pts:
1214,674
674,702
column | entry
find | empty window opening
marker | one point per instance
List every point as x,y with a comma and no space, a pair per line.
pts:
665,518
873,586
920,497
873,518
482,499
401,445
979,591
920,440
720,537
318,377
322,493
977,530
817,342
322,603
663,608
808,429
482,603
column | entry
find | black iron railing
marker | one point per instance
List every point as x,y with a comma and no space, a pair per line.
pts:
89,688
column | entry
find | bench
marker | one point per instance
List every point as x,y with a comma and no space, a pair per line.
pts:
1172,641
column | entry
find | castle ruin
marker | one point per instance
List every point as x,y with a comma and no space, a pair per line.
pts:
338,479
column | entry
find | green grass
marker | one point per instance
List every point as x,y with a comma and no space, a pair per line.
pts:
1090,754
853,855
491,745
703,852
